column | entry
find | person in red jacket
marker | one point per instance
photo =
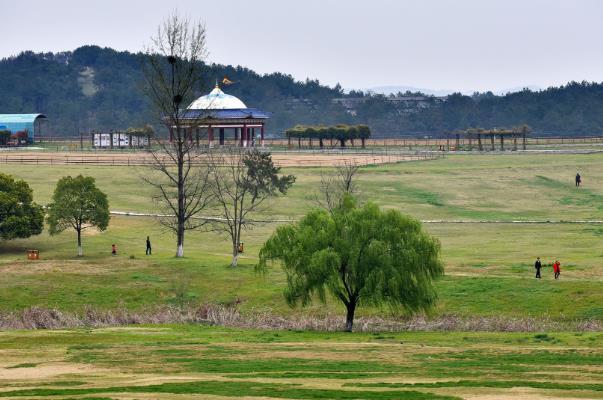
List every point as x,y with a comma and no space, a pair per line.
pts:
557,268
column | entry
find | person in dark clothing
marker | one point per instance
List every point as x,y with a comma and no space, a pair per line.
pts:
148,251
538,265
578,179
113,250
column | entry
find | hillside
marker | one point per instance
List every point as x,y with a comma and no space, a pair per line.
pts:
99,88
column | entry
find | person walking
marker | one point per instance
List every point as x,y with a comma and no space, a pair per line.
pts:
557,269
578,179
113,250
148,251
538,265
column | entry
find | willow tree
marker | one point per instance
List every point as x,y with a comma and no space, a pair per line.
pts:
359,255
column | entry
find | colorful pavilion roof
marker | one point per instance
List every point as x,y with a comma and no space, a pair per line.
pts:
241,113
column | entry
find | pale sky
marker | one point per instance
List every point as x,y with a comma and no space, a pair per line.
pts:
446,44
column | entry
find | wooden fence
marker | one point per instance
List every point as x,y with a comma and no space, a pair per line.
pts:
281,158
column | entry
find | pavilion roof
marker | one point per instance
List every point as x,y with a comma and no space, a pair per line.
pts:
239,113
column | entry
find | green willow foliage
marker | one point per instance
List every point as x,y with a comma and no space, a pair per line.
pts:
341,133
360,255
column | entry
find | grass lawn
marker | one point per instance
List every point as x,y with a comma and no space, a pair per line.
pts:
488,266
168,362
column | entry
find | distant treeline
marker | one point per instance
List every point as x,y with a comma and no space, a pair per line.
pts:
95,88
340,133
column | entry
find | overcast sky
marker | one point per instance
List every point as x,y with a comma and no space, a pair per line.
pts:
446,44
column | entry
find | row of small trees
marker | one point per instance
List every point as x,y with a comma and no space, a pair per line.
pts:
76,203
339,133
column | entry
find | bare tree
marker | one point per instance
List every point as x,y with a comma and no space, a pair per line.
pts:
242,181
333,187
172,73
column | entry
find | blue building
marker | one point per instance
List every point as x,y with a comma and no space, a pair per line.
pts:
32,124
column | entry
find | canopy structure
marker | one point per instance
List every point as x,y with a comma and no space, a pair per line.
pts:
228,115
31,124
476,133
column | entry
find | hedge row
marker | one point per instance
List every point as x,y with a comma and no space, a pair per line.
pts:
341,133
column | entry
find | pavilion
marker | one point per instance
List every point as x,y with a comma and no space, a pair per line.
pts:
221,112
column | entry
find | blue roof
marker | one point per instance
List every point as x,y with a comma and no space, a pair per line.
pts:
240,113
19,118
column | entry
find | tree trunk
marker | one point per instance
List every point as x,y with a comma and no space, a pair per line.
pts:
349,319
363,143
181,201
235,255
80,250
180,248
320,144
342,142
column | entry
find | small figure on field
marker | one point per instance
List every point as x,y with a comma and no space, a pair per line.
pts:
148,251
538,265
557,268
578,179
113,250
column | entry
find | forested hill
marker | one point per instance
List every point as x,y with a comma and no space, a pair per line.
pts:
100,88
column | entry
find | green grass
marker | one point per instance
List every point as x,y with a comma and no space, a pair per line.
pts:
177,360
488,266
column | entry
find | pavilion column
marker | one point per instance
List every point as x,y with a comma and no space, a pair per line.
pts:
210,136
502,142
524,141
189,132
492,141
479,142
252,137
514,142
262,136
447,144
458,139
236,136
171,130
470,143
244,136
197,134
221,136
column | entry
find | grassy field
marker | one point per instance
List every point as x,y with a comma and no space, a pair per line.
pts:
489,274
488,266
175,362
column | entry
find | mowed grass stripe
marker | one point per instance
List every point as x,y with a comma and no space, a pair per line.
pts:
236,389
485,384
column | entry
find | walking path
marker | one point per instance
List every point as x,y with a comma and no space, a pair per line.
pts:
426,221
